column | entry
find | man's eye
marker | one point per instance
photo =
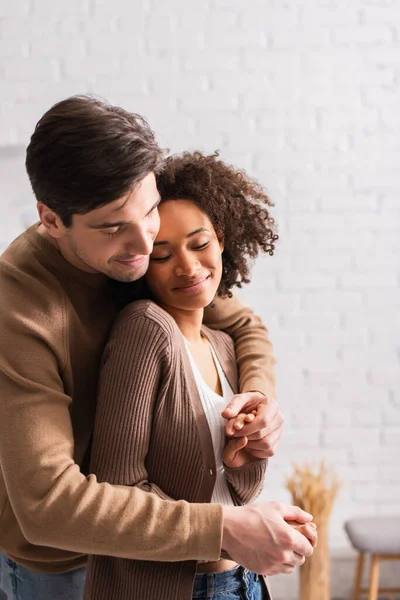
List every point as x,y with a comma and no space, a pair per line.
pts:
114,232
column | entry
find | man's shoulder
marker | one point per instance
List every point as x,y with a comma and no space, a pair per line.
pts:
27,285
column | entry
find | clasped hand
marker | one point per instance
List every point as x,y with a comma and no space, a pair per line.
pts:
254,427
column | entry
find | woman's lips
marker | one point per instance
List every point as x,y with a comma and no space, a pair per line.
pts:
193,286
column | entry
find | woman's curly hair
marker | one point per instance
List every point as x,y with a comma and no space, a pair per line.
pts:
236,205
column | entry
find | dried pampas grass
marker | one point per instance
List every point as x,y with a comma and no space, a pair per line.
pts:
315,490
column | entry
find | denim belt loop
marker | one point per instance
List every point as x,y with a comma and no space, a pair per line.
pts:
210,585
245,578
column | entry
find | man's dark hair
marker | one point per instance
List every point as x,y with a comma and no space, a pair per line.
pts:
85,153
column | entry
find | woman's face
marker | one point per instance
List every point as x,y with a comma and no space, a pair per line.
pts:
186,263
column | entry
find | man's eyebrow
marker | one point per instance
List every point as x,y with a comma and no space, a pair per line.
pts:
109,224
189,235
156,203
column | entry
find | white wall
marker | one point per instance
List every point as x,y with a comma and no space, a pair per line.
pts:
306,97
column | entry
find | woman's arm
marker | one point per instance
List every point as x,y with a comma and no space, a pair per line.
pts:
246,482
134,376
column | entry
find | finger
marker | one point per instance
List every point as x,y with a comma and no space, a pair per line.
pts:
309,530
232,448
301,545
249,418
274,428
285,569
240,421
298,560
229,428
295,513
236,423
266,447
243,403
268,418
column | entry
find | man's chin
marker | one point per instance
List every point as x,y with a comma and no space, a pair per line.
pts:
128,275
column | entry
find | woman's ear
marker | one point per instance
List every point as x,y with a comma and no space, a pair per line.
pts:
221,243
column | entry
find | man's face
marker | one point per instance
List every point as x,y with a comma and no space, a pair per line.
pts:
116,239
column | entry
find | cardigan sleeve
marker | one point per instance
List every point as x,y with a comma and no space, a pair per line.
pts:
246,482
135,375
254,352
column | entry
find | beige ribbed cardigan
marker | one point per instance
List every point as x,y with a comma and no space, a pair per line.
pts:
151,431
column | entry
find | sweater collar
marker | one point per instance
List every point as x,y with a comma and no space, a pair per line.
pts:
56,261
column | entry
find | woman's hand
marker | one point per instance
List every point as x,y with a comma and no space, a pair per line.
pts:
234,454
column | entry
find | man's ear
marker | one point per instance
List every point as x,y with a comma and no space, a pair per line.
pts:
51,221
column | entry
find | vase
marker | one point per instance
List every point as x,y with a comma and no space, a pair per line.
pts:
315,573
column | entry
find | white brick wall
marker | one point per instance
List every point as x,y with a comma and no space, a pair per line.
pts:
306,97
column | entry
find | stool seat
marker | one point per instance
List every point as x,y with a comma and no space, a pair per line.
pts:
375,535
378,537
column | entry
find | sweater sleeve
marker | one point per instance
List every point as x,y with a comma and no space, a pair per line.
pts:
247,481
134,377
55,504
254,353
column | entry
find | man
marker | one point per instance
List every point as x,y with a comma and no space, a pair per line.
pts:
92,168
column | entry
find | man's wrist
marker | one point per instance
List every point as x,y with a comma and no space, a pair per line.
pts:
228,524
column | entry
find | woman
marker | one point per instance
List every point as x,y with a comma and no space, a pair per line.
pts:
166,378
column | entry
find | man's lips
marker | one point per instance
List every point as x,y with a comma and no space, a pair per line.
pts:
194,283
135,260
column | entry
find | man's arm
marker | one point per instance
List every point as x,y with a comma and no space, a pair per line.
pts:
254,353
53,502
256,375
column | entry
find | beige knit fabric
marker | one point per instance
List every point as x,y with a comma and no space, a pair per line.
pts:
151,431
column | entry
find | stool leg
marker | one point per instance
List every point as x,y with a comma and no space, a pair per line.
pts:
374,578
357,581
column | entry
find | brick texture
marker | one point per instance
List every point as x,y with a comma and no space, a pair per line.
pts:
306,97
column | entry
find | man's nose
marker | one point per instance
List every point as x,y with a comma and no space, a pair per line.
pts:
141,242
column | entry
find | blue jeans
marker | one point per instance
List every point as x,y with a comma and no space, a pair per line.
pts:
237,584
20,583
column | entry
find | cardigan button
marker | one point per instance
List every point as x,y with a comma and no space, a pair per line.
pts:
211,472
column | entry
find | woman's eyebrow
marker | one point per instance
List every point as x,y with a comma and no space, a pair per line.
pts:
189,235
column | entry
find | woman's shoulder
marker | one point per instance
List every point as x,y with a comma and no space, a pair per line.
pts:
146,314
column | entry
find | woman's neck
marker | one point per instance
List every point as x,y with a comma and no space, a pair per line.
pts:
188,321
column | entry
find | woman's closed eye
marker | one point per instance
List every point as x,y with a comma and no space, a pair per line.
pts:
201,247
159,258
166,257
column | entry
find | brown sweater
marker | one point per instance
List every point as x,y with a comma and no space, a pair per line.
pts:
54,323
151,432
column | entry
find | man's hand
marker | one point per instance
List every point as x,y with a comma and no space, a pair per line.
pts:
258,537
307,529
263,432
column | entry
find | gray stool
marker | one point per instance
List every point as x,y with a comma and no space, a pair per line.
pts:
379,537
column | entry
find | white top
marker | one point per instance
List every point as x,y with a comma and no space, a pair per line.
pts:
213,404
